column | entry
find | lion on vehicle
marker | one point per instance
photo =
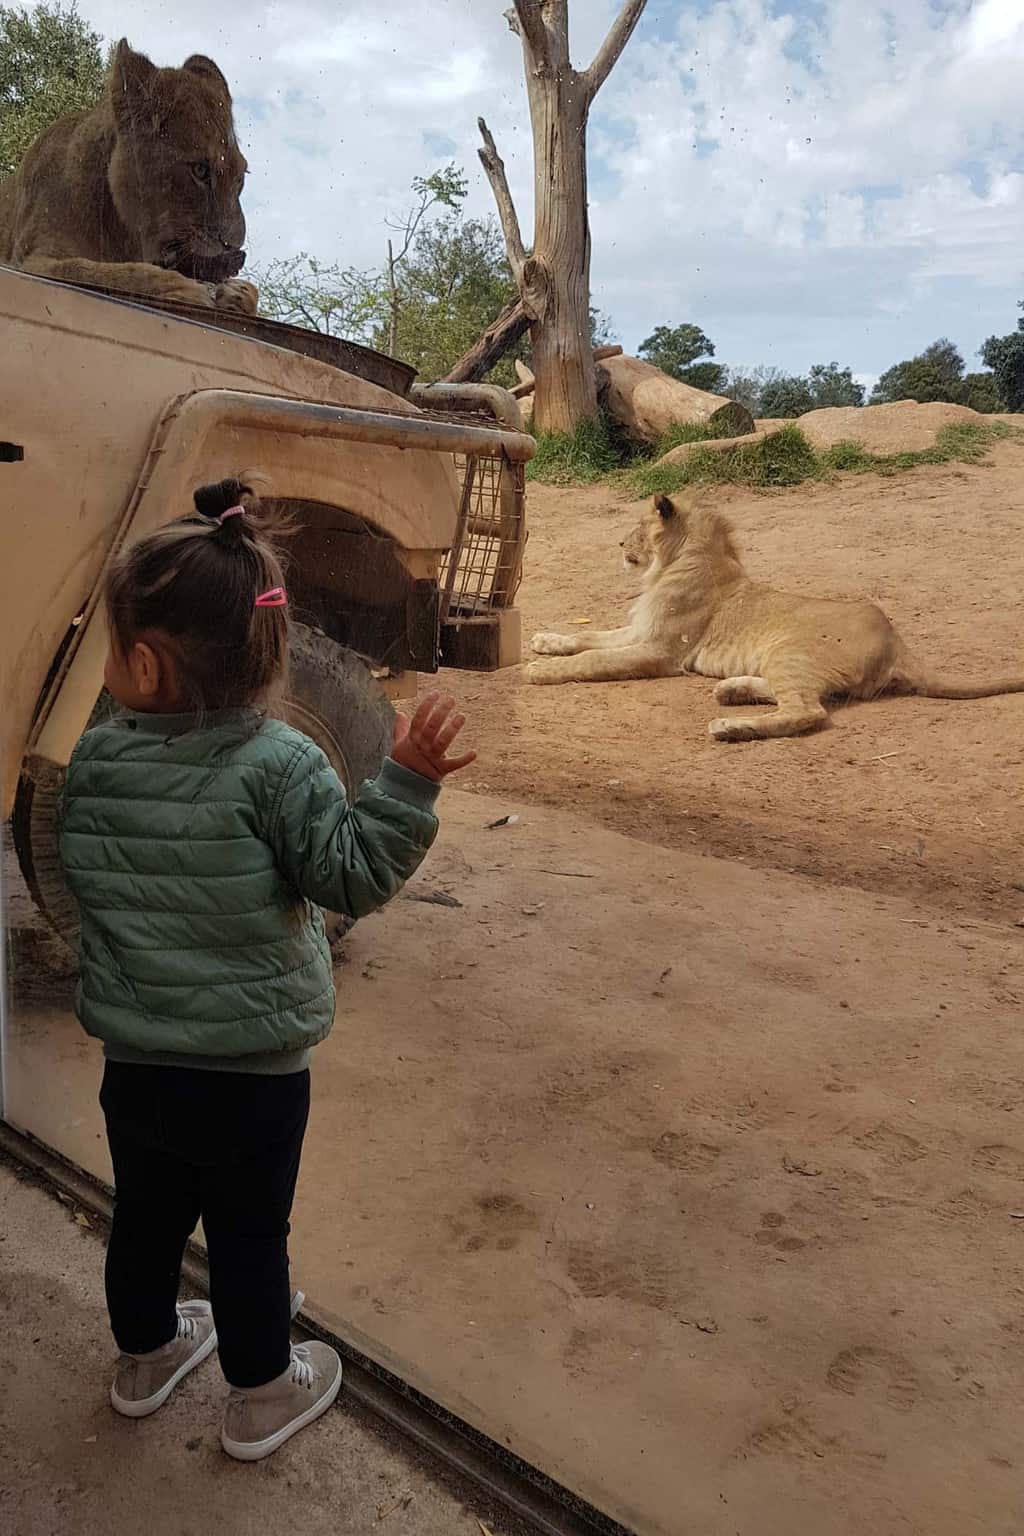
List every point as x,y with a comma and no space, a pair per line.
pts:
140,194
699,612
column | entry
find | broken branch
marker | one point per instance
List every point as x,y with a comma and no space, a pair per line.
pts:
494,167
609,51
499,338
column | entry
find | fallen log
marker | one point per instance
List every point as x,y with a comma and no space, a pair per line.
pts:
646,402
499,338
600,353
686,451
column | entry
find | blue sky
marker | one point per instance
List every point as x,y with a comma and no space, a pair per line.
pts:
805,179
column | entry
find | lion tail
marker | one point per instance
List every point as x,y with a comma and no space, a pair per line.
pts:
913,678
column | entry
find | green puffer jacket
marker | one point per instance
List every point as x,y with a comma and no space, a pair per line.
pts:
199,858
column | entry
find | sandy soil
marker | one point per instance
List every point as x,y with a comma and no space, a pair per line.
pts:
68,1463
912,795
698,1183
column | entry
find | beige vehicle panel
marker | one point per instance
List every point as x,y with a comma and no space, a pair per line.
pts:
87,385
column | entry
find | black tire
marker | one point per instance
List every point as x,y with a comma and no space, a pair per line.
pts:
331,696
34,834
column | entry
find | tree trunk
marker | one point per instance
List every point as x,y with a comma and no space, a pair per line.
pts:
562,357
476,364
647,402
554,277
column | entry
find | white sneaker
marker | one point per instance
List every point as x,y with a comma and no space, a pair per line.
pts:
143,1383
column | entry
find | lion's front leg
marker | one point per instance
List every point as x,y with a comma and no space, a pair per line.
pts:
546,644
605,666
235,293
132,278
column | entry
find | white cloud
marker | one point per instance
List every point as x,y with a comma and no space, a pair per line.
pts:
806,179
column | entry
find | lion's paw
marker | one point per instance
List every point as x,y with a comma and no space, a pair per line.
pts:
540,672
553,645
237,294
734,730
185,290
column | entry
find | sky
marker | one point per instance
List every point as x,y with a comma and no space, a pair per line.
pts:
806,180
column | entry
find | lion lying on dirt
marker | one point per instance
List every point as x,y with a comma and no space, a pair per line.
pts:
141,194
699,612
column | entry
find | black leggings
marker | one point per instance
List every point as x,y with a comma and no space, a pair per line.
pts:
223,1146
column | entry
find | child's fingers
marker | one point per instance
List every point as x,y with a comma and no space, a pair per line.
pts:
442,707
424,710
401,728
453,764
447,734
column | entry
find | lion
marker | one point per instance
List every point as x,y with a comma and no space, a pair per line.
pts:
140,194
699,612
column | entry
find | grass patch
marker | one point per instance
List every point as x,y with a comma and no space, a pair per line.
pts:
787,458
577,458
961,442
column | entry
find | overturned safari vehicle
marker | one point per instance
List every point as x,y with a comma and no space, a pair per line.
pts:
409,505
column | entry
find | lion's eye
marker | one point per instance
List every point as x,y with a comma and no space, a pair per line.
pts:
200,170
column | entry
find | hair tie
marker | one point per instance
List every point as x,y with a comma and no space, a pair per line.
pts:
275,598
231,512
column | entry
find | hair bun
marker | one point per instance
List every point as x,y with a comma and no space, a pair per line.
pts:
213,501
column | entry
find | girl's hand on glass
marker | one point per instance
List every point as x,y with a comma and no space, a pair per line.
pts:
421,744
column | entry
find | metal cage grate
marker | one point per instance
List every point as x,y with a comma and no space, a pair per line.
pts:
484,567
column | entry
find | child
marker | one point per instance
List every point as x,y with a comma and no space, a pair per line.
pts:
201,838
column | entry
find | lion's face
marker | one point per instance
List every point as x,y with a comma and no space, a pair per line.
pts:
176,172
657,536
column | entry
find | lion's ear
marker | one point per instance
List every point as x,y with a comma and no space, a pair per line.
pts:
131,80
199,64
665,508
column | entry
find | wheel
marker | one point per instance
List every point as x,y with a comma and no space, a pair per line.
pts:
34,834
331,696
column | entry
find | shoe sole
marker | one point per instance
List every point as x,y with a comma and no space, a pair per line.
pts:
140,1409
255,1450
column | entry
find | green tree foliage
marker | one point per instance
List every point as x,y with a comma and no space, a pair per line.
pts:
446,188
831,385
935,374
677,351
51,63
747,385
788,395
1005,356
455,281
766,392
339,301
438,291
981,392
938,373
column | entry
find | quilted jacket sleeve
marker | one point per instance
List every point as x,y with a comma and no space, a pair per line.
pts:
351,858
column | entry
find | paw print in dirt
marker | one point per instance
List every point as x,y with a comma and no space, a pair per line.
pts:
495,1222
773,1233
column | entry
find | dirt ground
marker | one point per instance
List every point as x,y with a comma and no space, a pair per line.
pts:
689,1162
695,1184
918,796
68,1463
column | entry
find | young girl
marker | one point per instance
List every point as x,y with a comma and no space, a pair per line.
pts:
200,838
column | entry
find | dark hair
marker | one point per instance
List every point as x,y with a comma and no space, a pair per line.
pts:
195,582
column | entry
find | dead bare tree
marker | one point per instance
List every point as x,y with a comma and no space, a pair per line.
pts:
553,277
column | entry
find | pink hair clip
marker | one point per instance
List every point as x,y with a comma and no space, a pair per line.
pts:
231,512
275,598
